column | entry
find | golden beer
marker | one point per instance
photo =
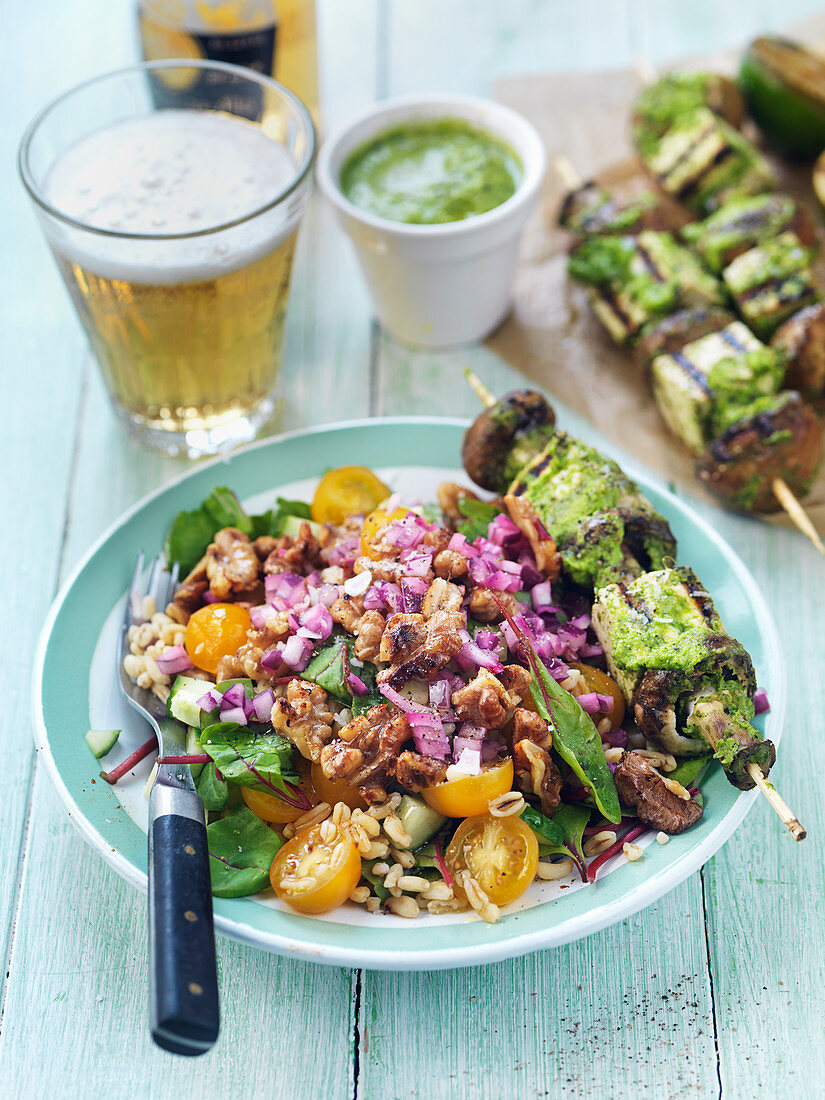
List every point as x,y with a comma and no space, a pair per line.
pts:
174,230
190,356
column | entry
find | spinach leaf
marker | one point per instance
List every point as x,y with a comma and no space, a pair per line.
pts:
241,851
547,830
191,532
272,521
251,756
688,771
329,668
572,821
213,791
575,739
479,514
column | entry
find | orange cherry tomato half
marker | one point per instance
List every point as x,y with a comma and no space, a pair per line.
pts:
501,853
313,875
347,491
215,631
268,807
596,680
374,523
335,790
469,796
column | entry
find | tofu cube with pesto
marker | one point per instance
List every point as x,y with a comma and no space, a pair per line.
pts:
771,282
743,223
633,280
703,162
705,387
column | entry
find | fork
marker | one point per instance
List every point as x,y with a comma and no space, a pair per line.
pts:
184,1010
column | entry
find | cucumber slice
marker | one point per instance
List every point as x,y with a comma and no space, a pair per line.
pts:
101,741
292,526
420,820
194,748
183,699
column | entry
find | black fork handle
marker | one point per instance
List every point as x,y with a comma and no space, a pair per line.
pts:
184,1009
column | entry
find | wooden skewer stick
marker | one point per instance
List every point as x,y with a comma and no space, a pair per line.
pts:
797,513
783,811
484,395
799,517
788,819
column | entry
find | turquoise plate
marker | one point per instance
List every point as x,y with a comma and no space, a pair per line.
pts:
75,687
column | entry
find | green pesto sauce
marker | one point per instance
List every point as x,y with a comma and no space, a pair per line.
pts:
773,261
740,384
663,629
428,173
602,261
665,101
742,222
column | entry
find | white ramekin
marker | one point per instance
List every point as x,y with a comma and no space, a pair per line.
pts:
437,285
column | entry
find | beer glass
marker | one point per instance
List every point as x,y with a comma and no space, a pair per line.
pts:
170,194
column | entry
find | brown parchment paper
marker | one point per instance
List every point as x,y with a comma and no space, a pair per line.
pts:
551,334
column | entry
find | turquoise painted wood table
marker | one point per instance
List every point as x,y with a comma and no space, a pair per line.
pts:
717,989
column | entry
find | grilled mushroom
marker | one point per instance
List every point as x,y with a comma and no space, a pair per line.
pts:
784,439
642,789
801,341
504,438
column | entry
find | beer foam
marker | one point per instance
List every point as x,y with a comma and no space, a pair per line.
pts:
173,171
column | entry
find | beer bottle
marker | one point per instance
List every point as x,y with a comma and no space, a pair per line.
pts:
276,37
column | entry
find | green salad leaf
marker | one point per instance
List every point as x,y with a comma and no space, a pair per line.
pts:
689,771
272,522
546,829
330,667
479,515
253,757
214,792
241,851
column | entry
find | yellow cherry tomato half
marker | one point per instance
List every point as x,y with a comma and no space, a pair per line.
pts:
268,807
374,523
215,631
501,854
335,790
596,680
313,875
469,796
347,491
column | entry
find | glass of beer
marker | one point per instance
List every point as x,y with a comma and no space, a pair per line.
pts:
170,195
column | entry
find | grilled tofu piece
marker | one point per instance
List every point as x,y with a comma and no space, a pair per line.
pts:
690,684
703,162
634,280
702,388
801,343
780,437
605,529
590,211
669,334
665,101
771,282
743,223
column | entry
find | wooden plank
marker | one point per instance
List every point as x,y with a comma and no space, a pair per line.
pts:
623,1013
42,383
62,984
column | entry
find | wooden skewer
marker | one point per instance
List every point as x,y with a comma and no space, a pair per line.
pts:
484,395
783,811
778,803
799,517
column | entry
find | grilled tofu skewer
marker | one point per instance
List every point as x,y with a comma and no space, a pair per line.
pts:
757,458
691,684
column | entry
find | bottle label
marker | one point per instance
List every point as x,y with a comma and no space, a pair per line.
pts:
193,88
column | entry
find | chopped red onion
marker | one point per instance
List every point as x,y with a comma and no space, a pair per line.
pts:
233,696
356,684
474,656
316,623
273,659
616,739
417,565
297,652
589,702
263,703
172,660
384,595
210,700
407,705
285,589
760,701
458,543
406,533
328,594
208,597
473,733
413,591
262,615
502,530
542,597
234,714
